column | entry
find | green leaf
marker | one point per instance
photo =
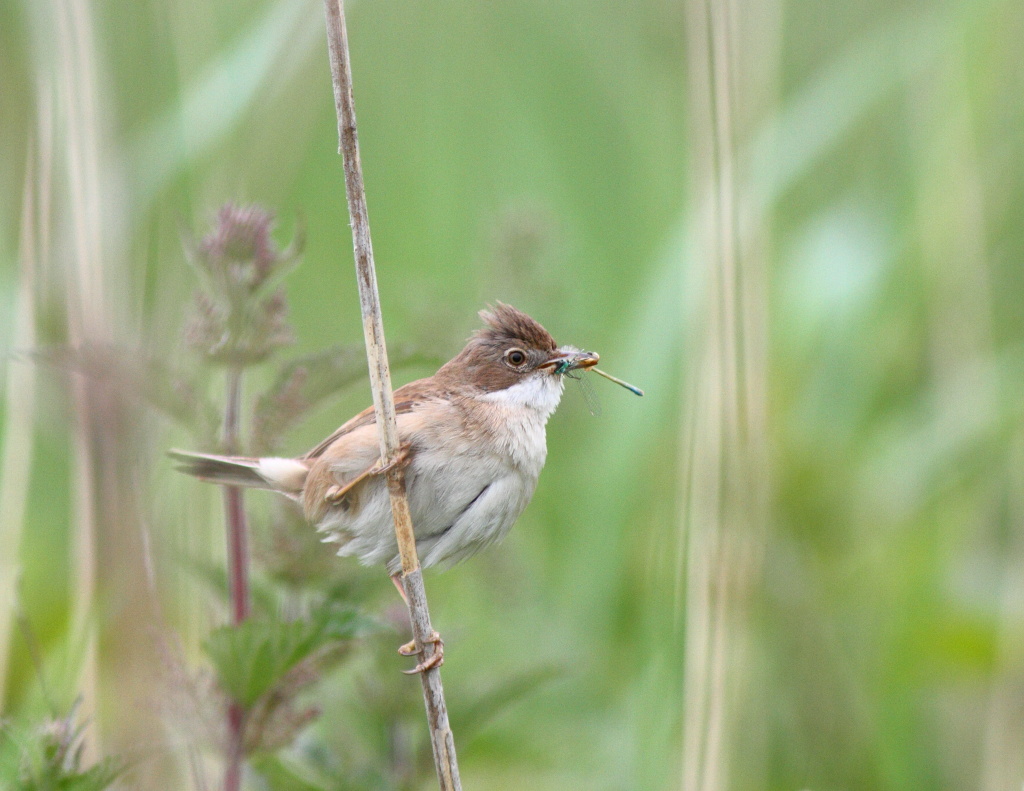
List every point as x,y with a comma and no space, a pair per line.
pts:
282,775
48,758
95,778
253,657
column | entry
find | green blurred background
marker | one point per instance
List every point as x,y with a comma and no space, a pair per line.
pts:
799,226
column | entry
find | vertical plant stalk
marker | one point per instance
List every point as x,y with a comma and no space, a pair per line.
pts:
17,445
238,571
87,308
951,227
441,738
725,483
238,530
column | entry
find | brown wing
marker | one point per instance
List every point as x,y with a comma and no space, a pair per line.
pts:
406,398
350,459
351,455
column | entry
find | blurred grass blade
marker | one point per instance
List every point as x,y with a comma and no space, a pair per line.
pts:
231,88
812,122
493,703
86,299
19,404
722,520
138,376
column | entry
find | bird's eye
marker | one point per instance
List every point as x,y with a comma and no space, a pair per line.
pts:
515,357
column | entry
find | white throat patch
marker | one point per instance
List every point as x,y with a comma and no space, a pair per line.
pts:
540,391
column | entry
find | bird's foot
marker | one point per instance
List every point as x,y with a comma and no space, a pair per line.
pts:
337,493
400,460
436,659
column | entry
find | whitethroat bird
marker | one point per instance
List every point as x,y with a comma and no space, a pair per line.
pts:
472,442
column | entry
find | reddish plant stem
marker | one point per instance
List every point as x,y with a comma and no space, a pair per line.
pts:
234,510
233,767
238,553
238,571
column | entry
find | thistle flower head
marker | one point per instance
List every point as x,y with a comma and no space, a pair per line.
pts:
240,313
239,249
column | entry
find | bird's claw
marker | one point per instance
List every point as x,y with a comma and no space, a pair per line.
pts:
400,460
338,492
436,659
335,494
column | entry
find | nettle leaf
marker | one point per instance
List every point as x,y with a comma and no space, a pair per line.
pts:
264,597
97,778
253,657
49,758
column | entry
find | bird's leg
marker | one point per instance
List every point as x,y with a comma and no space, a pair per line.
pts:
397,580
409,649
337,492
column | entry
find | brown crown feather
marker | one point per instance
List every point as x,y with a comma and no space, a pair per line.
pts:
479,364
505,324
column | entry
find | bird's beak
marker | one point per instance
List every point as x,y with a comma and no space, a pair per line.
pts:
569,358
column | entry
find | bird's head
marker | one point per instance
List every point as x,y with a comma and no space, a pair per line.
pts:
513,360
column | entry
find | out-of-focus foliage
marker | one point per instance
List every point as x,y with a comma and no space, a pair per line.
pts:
539,153
240,315
253,656
51,759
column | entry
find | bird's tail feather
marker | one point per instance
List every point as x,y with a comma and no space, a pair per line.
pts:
281,475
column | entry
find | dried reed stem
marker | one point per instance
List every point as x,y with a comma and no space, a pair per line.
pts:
380,380
725,479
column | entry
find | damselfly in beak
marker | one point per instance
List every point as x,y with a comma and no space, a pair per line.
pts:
631,388
572,368
589,394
